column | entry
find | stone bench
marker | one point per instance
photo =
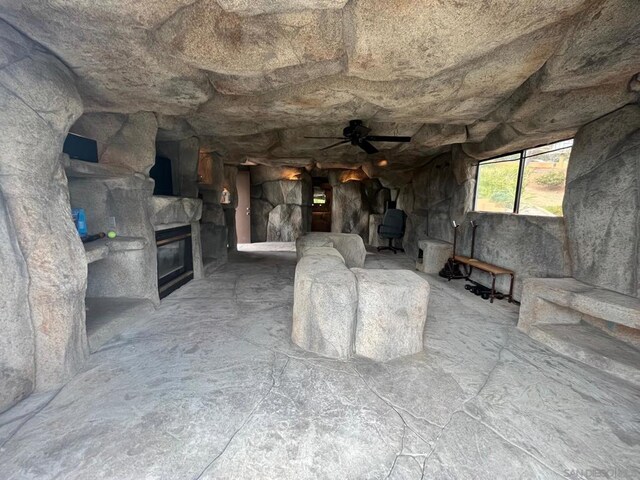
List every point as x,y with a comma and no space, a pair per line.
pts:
392,311
433,255
572,317
350,246
324,304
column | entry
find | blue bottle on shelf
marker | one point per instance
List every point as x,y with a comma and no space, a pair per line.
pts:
80,220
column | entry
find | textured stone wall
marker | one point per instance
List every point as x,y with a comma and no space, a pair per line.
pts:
602,202
443,191
124,141
280,203
439,192
38,104
17,355
531,246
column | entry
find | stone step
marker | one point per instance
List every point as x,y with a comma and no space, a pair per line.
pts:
592,346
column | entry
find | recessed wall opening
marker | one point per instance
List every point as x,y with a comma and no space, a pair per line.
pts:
321,210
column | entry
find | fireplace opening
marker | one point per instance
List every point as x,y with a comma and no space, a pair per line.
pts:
175,258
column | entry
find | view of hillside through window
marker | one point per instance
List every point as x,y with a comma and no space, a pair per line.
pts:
543,172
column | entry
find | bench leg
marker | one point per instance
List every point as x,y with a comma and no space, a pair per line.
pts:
493,287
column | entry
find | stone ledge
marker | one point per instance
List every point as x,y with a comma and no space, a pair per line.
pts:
175,210
580,297
570,317
102,248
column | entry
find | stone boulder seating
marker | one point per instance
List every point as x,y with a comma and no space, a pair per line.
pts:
435,254
324,305
350,246
322,251
392,310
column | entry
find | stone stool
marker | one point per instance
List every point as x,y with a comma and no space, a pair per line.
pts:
325,298
435,255
392,310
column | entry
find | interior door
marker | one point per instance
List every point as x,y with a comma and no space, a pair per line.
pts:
243,212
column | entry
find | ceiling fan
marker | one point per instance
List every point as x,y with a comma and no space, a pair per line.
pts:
358,135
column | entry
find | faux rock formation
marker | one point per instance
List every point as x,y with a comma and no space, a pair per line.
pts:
392,311
285,224
39,103
17,355
324,306
435,254
602,202
350,210
258,76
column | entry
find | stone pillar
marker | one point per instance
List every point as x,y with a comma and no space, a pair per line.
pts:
602,202
213,228
350,209
38,104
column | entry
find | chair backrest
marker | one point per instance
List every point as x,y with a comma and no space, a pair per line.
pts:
393,222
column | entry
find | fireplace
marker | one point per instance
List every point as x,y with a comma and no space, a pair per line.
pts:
175,258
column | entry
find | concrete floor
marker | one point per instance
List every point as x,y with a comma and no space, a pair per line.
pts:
210,386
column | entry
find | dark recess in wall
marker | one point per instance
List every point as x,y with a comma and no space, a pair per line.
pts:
81,148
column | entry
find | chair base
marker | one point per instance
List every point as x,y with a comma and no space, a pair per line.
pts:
391,247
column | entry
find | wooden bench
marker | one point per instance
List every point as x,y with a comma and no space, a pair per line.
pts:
492,270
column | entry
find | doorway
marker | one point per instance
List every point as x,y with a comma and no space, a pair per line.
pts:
243,212
321,210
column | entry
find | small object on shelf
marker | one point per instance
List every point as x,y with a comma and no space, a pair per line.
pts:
111,232
92,238
80,221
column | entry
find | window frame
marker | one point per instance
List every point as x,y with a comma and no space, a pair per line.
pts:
521,166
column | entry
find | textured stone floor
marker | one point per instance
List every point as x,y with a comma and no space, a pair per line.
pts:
209,386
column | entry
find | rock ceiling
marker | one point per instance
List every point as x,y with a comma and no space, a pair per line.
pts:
253,77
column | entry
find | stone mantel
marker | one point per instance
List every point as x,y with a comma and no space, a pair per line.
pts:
169,212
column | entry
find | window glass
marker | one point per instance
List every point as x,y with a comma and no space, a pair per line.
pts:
545,174
319,196
497,182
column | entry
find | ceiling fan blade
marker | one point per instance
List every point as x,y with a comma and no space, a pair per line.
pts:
387,138
367,147
336,144
334,138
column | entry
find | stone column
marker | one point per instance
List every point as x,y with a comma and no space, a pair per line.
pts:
213,228
350,210
38,104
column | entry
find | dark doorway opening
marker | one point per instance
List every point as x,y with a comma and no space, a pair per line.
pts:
321,210
161,173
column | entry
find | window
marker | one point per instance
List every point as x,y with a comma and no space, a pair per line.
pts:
529,182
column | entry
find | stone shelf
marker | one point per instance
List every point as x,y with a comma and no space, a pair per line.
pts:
89,170
99,249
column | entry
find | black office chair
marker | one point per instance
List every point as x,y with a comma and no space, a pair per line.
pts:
392,227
